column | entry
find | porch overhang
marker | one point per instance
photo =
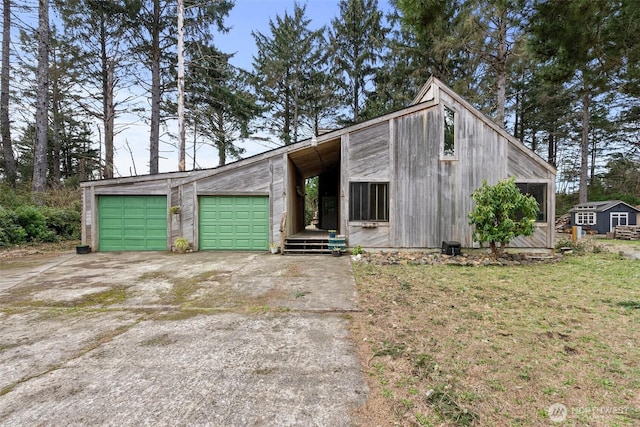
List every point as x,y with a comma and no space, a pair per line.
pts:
313,160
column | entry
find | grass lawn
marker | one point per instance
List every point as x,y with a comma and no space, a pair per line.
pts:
497,346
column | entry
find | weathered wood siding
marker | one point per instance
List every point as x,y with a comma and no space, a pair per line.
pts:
277,196
523,165
433,193
251,179
366,157
368,154
539,238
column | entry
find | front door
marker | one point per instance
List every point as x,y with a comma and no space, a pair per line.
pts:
329,217
618,218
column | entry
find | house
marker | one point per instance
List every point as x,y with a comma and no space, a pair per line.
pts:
603,217
402,180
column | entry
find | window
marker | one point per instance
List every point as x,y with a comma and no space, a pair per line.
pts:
369,201
585,218
619,218
539,192
449,132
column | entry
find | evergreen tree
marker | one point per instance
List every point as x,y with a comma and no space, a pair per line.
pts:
219,102
468,44
98,29
42,105
581,48
402,72
281,68
153,27
356,39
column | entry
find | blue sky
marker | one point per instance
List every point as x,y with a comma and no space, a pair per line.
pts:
245,17
254,15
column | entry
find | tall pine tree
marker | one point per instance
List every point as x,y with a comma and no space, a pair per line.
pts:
281,70
357,39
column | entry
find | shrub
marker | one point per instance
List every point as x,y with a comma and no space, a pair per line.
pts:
34,222
502,213
11,232
357,250
181,244
65,223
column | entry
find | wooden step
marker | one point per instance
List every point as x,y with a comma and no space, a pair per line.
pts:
306,246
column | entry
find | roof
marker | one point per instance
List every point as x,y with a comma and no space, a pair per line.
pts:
430,91
600,206
330,138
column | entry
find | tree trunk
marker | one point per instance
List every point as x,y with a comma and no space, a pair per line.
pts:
108,106
5,125
551,149
181,126
286,129
501,68
156,92
594,156
356,87
517,131
584,148
222,146
39,183
109,119
56,134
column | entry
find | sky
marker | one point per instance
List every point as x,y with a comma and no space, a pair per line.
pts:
245,17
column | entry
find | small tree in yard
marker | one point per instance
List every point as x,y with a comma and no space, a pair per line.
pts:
501,214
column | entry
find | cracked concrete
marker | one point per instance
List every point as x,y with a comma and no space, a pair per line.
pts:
208,338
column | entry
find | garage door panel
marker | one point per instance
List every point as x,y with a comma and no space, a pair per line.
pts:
234,222
156,223
257,216
130,223
225,216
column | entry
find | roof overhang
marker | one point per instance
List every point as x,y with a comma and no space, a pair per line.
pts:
316,158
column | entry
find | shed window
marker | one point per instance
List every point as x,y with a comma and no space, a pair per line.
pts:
369,201
585,218
449,132
619,218
539,192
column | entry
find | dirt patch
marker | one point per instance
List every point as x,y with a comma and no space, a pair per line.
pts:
464,260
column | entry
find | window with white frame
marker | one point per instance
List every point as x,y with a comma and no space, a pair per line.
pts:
449,145
619,218
585,218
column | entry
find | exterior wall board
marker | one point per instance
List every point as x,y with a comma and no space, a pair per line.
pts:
537,240
368,153
254,178
365,157
277,197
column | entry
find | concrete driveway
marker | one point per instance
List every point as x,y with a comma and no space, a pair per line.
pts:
208,338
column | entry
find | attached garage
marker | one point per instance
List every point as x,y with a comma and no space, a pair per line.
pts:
234,222
132,223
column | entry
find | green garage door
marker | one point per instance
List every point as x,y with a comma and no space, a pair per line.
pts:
132,223
234,222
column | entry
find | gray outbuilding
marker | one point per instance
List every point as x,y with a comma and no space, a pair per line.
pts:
602,217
